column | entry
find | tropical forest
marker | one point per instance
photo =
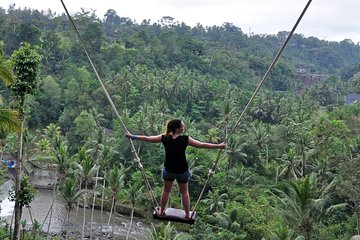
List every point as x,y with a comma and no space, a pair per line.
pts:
291,166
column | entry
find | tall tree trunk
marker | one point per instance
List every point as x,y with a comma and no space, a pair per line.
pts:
102,202
11,223
46,217
113,220
112,208
93,203
303,160
30,214
78,203
67,224
48,228
84,213
52,206
131,220
18,172
356,208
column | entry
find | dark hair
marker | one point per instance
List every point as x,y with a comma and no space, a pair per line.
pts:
172,126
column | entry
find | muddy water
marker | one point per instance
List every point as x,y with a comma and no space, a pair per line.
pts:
40,210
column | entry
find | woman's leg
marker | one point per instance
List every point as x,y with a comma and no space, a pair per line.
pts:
167,186
183,188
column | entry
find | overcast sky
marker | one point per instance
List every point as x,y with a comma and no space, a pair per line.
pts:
332,20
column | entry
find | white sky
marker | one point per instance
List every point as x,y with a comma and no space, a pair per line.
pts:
332,20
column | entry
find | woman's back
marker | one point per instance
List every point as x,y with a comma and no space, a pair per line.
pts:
175,157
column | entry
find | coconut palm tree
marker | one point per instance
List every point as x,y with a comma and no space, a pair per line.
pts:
300,125
115,183
86,172
215,201
283,233
240,175
196,169
235,151
165,232
52,131
106,155
55,145
301,204
213,135
260,136
95,153
60,156
227,108
31,151
70,192
134,193
226,221
289,166
98,117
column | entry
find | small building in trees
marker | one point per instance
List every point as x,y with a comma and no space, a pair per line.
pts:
352,98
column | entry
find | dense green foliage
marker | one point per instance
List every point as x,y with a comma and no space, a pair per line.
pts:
27,192
26,65
8,118
290,168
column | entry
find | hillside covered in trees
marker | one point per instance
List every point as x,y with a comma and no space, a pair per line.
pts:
289,170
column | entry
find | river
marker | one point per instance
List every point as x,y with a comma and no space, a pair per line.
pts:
40,210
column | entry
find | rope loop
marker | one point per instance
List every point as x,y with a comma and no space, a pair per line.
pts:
138,163
211,172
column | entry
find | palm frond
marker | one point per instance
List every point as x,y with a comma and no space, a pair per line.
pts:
6,73
336,207
9,121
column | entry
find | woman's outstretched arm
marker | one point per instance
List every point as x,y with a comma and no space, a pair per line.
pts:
155,139
195,143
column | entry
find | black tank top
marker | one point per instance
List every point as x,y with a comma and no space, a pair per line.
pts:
175,159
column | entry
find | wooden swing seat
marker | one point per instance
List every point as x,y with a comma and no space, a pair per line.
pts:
174,215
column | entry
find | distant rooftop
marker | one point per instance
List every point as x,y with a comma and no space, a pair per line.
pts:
352,98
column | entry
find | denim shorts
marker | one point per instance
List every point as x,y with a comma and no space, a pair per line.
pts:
180,178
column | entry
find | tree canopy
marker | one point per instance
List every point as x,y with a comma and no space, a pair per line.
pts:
297,140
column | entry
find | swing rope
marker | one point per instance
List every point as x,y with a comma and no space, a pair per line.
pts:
212,170
136,157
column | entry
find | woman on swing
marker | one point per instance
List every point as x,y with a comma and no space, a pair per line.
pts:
175,164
